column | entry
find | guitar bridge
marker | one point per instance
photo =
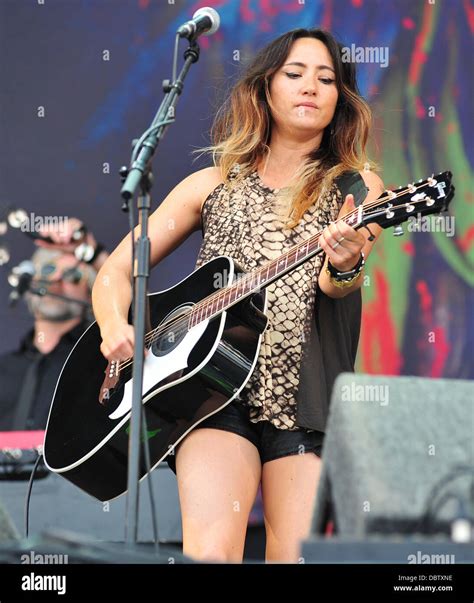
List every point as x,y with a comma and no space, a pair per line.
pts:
112,376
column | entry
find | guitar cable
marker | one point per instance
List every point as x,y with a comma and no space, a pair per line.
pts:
28,494
146,451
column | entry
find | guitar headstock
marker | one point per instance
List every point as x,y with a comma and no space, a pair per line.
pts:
430,196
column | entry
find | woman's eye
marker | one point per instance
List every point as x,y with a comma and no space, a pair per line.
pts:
324,80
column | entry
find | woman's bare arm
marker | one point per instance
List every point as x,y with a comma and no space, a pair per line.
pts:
175,219
376,187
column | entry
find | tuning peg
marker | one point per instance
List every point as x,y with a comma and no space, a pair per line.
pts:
398,230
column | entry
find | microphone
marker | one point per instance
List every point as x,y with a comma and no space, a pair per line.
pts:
205,21
20,279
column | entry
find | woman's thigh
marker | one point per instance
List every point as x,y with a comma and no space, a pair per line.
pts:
218,474
289,486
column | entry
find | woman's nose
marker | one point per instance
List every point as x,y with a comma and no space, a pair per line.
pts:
309,88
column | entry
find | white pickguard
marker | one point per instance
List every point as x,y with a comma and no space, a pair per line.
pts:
158,367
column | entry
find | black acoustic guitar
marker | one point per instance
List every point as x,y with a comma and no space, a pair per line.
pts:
203,345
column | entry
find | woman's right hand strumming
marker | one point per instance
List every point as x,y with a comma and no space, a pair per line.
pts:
118,339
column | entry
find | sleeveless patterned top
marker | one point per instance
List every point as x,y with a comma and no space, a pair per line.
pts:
243,222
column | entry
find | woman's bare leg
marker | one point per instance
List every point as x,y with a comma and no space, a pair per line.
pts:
289,486
218,474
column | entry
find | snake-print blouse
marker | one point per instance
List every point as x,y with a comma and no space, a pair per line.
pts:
241,222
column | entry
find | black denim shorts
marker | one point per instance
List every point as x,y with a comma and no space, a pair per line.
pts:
272,443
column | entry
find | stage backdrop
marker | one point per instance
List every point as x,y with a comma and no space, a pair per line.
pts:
81,78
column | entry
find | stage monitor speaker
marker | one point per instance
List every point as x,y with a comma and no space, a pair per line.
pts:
398,457
8,531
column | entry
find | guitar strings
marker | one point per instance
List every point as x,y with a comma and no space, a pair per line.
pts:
154,334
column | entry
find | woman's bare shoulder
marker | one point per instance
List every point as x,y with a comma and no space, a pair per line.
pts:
372,181
206,180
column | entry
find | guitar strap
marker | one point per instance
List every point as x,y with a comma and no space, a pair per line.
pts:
352,183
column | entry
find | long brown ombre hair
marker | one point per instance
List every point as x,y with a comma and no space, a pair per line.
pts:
242,127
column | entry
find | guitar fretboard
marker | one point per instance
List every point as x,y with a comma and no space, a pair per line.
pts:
261,277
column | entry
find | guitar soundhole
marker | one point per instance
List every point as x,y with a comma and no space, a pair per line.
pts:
171,331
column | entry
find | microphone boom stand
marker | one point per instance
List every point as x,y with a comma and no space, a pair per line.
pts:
43,292
139,174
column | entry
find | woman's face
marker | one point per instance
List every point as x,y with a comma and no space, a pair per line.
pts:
304,90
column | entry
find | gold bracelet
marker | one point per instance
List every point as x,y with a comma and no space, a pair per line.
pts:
342,284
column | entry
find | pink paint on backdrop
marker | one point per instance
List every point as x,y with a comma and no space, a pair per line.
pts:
465,242
327,16
378,332
270,8
373,90
419,108
441,352
202,3
425,299
440,347
293,6
469,8
246,12
418,57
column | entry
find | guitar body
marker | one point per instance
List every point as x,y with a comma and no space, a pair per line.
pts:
189,374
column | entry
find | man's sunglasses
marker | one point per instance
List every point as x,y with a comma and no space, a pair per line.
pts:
71,275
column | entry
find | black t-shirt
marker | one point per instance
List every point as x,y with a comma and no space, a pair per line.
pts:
14,369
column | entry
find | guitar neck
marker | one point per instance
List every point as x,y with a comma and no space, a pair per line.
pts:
260,278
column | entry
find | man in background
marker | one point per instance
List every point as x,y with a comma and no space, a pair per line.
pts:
28,375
